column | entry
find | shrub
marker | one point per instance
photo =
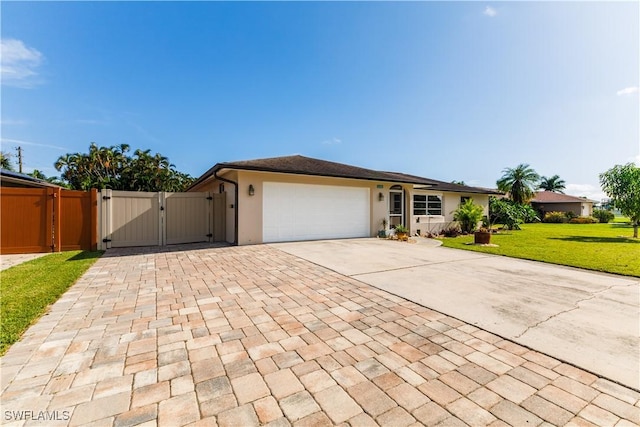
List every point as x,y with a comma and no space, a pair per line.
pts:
468,215
510,213
555,217
401,229
452,231
583,220
602,215
570,214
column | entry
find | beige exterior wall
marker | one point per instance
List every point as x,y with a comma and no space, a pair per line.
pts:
578,208
424,224
250,213
250,227
214,186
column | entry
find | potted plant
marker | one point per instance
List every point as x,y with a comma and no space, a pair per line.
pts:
468,216
383,232
482,236
402,232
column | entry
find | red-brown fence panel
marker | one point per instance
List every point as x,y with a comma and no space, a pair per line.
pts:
26,220
78,217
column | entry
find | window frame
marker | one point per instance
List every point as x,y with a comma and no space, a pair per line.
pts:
426,207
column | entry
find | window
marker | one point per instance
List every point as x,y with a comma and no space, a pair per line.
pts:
434,205
419,204
427,204
464,199
395,204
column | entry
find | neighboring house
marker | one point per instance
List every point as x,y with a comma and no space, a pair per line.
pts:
20,180
300,198
548,201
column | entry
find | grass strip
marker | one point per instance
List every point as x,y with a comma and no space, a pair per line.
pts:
27,289
608,248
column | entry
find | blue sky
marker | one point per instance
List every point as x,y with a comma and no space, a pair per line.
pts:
445,90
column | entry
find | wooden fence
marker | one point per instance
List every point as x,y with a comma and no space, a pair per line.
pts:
47,220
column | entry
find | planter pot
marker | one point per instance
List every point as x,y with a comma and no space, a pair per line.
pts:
402,236
382,233
481,237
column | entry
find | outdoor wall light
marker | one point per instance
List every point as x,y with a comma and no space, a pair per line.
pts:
252,190
380,197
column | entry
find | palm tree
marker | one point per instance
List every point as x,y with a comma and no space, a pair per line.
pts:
553,183
519,182
5,161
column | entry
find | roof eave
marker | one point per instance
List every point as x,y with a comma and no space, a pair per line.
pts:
430,185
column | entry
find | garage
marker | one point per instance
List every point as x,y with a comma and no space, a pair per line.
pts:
312,212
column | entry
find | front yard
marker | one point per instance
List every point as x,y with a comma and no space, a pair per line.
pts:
26,290
601,247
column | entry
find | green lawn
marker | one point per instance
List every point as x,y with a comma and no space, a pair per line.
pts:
26,290
602,247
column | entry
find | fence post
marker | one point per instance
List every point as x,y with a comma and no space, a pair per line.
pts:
105,218
163,218
56,244
93,215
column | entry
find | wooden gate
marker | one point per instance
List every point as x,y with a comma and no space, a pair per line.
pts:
78,220
187,217
131,218
47,220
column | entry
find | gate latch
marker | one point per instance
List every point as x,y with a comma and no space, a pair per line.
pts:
106,197
209,235
105,240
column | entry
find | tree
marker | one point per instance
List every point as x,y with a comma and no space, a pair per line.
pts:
5,161
110,167
52,179
553,183
510,214
468,215
518,182
622,184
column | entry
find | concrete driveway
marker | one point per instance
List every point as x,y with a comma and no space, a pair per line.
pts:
588,319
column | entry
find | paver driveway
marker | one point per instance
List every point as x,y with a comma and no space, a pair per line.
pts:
240,336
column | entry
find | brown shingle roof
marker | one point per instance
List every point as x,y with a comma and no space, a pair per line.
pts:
309,166
551,197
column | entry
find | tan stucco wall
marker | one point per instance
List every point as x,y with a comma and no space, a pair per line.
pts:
423,224
213,186
250,230
250,213
578,208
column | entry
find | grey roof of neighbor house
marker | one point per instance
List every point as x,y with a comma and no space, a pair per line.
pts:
16,179
301,165
552,197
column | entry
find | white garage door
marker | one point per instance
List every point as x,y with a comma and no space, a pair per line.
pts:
310,212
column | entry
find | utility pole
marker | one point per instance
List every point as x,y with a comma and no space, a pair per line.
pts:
19,159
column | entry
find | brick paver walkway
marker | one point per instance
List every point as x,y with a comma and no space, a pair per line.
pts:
10,260
242,336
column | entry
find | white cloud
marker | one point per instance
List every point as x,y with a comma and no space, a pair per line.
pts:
627,91
332,141
35,144
489,11
19,63
12,122
589,191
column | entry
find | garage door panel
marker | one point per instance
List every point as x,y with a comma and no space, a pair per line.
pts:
310,212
